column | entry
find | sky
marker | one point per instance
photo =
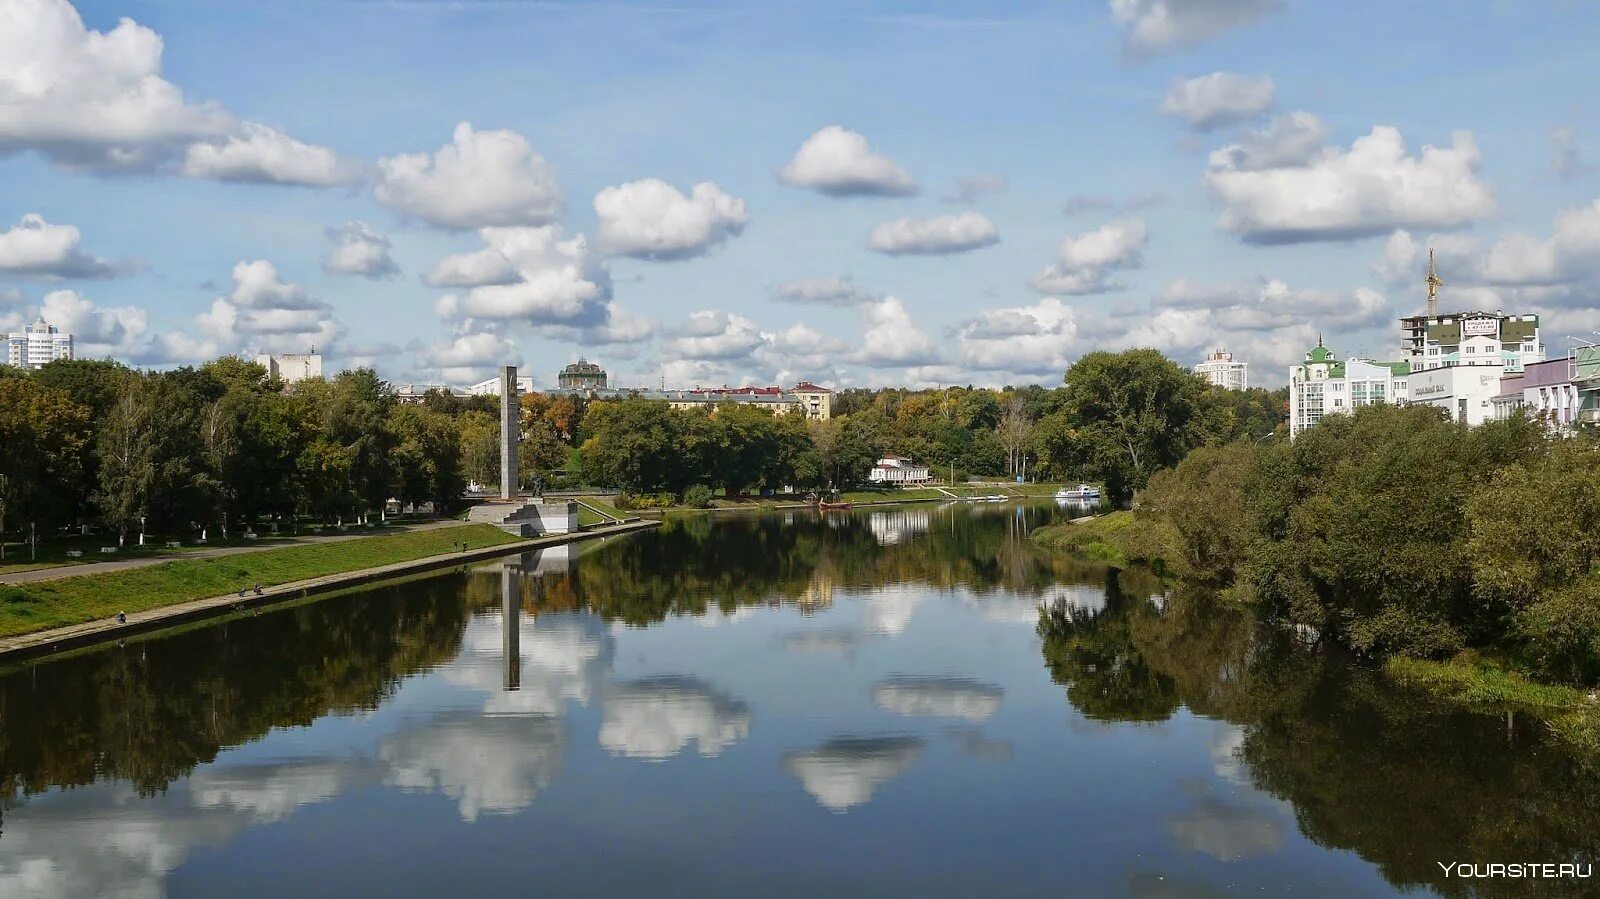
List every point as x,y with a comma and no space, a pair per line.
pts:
854,193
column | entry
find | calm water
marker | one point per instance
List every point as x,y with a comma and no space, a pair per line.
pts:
782,706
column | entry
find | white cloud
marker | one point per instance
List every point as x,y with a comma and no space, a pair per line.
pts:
264,155
1228,831
1397,264
1220,98
534,275
969,189
359,250
1374,187
1038,340
937,236
844,773
95,331
1153,26
262,312
714,335
1288,140
657,718
891,336
651,219
1087,262
840,291
469,358
1268,304
958,698
36,247
480,179
840,162
97,101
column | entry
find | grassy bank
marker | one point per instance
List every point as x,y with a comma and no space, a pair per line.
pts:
1486,685
858,497
1116,540
72,600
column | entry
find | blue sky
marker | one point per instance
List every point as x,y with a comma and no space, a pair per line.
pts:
208,186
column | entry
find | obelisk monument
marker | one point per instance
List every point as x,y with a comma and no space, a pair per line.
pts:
510,431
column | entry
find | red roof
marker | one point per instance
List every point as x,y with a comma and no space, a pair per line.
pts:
808,387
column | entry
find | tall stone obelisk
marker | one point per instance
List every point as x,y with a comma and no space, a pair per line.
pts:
510,431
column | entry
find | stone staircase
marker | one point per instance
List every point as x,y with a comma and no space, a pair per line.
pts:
527,516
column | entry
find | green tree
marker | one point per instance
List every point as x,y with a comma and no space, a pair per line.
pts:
427,456
43,433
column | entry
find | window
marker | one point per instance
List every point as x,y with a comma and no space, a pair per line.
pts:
1472,349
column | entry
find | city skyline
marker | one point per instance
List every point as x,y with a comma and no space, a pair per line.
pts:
856,194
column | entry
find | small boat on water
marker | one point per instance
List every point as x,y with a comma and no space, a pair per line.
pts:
1082,491
827,506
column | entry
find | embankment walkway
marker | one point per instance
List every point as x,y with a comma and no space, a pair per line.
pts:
61,639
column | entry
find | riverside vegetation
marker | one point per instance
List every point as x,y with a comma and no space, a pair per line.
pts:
1468,559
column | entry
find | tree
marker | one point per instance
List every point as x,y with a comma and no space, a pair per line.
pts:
1015,430
43,433
480,446
427,456
640,446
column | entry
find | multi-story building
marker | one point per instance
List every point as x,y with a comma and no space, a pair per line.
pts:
1465,392
1472,338
582,375
815,401
895,470
1586,375
1221,370
291,368
1550,391
416,393
1324,385
36,345
491,387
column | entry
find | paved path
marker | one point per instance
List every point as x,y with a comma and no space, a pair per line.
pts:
65,571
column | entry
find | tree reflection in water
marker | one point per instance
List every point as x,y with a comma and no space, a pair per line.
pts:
1399,778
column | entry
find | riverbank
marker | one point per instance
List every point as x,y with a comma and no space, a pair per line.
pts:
176,592
858,498
1484,685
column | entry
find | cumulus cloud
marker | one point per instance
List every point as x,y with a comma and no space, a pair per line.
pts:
36,247
264,155
1227,831
95,331
1566,154
1088,262
891,337
658,717
262,312
1041,339
969,189
1268,304
1154,26
469,358
844,773
1220,98
1335,194
937,236
480,179
839,291
534,275
959,698
1289,140
839,162
712,334
96,100
359,250
651,219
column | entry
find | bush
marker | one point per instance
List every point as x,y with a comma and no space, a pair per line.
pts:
697,496
628,501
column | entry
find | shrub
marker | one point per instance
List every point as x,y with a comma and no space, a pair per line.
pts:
697,496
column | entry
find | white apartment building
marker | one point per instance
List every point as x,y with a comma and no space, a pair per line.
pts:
1487,339
1324,385
491,387
37,344
895,470
291,368
1221,370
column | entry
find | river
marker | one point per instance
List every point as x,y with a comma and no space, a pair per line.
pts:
859,704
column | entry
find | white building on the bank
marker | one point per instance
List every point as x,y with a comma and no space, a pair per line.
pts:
1465,392
291,368
1324,385
1221,370
895,470
491,387
36,345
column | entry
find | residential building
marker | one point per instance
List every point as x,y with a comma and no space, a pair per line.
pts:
1324,385
416,393
816,402
582,375
291,368
491,387
1487,339
1586,375
895,470
37,344
1221,370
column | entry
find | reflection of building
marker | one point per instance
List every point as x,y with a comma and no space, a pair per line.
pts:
582,375
898,525
291,368
1324,385
37,344
895,470
1220,370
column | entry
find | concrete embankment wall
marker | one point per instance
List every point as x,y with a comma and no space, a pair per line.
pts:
44,643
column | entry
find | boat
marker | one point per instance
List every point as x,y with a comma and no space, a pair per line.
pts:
1082,491
827,506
